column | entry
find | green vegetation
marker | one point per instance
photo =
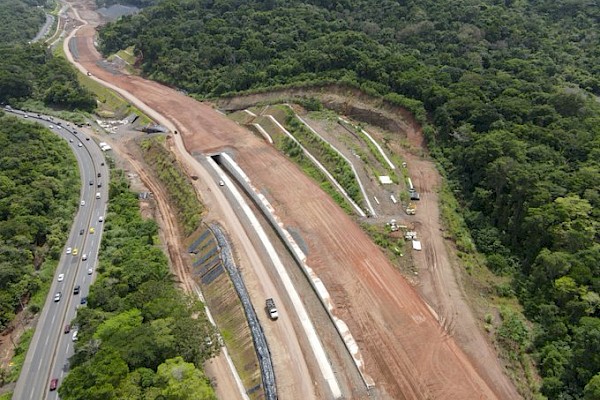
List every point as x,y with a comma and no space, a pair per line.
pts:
20,20
290,148
137,3
227,310
19,358
322,151
30,72
504,92
170,173
39,188
140,337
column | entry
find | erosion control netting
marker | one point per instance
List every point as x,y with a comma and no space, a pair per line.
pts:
260,342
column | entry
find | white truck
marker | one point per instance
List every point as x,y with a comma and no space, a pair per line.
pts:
271,309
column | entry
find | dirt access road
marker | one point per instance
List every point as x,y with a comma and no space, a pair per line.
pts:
296,374
406,351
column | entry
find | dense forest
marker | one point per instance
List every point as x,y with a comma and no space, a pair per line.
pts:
505,90
139,336
137,3
20,20
32,72
39,190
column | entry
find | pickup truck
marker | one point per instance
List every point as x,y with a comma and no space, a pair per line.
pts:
271,309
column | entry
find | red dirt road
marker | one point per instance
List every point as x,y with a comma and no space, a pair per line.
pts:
406,351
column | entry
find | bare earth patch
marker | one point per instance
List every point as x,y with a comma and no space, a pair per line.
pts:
407,351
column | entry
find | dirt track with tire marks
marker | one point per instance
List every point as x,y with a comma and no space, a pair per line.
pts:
406,351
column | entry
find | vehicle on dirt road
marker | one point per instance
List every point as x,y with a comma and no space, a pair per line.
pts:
271,309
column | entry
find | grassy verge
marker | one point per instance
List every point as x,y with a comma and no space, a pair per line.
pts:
231,320
493,298
20,352
110,104
294,152
180,189
331,160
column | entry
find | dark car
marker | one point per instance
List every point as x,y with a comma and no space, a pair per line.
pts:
76,289
53,384
99,174
67,328
81,231
83,300
99,184
87,138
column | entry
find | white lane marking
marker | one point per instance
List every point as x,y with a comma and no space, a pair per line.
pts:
53,318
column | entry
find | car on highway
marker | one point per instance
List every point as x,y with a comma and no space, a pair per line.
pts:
221,183
75,251
83,300
76,289
81,231
68,250
99,184
57,297
100,218
82,203
50,126
79,144
90,271
67,328
87,138
61,277
92,230
53,384
70,140
74,337
84,257
91,183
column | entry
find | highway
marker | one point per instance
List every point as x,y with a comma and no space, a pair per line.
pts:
50,347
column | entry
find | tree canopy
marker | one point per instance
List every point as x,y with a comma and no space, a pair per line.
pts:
39,188
20,20
506,91
140,337
32,72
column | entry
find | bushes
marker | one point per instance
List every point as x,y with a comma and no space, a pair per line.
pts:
138,328
179,188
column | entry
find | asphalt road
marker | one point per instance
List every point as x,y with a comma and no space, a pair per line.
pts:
50,347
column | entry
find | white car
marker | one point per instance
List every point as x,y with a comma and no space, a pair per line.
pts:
75,336
90,271
61,277
221,183
57,297
69,250
100,219
84,257
82,203
79,144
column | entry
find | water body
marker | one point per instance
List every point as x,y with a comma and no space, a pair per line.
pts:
116,11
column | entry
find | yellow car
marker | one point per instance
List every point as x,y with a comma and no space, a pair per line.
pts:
92,230
75,251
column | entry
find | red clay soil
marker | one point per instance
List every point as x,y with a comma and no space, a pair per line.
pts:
407,352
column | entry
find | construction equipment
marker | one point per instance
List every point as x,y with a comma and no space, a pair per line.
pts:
411,208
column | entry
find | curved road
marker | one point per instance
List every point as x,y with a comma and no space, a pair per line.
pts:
50,347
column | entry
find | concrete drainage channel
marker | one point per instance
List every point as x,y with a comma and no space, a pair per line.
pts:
225,162
258,336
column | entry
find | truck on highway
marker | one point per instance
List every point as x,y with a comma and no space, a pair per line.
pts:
271,309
